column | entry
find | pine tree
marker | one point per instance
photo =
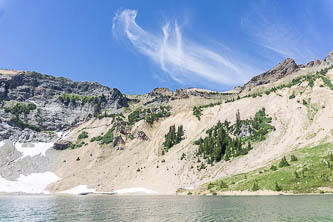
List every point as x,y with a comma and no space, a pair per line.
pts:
293,158
277,186
255,186
283,162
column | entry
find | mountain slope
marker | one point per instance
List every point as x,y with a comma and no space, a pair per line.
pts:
124,147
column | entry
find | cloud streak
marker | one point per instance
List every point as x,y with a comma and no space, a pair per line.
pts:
274,33
184,60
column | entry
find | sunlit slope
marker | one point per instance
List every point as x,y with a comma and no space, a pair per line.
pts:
301,113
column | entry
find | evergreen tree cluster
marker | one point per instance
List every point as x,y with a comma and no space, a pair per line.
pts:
224,141
173,137
150,115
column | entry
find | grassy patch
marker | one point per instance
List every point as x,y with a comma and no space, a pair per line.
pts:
312,169
106,138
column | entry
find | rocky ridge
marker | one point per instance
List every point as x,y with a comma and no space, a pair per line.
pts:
285,68
59,104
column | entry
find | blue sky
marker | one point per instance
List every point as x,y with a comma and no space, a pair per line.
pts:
136,46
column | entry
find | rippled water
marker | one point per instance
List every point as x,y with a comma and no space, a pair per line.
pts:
166,208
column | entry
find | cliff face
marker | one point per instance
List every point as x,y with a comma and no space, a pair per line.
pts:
284,68
59,104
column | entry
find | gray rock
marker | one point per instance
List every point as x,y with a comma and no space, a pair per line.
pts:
141,135
117,141
61,145
283,69
52,113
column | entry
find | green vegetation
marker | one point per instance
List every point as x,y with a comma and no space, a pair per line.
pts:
172,137
277,186
292,96
312,170
19,123
293,158
310,78
255,186
106,138
83,135
311,109
197,110
77,145
150,115
79,142
283,162
273,168
22,108
74,98
327,82
225,141
106,114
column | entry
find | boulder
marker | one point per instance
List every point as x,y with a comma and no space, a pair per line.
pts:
61,145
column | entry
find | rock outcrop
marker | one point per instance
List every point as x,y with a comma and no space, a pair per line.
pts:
283,69
34,106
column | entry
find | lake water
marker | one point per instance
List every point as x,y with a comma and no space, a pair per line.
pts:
166,208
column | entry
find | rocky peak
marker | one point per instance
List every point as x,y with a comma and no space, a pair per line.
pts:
283,69
328,61
316,62
161,91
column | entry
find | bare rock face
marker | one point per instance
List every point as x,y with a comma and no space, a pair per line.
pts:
313,63
141,135
283,69
118,140
328,61
53,112
61,145
161,91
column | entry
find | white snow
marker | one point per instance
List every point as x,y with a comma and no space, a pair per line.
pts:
139,190
78,190
34,183
37,149
189,188
65,135
62,135
2,143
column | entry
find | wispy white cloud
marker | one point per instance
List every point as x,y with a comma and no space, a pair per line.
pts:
274,33
3,5
184,60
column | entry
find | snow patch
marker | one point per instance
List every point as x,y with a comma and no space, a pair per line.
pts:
79,190
37,149
2,143
66,135
62,135
135,190
34,183
189,188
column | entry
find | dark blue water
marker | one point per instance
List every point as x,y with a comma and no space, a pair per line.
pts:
166,208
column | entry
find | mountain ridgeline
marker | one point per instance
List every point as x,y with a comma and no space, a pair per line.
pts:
257,136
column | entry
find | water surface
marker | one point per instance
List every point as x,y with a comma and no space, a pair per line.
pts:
166,208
